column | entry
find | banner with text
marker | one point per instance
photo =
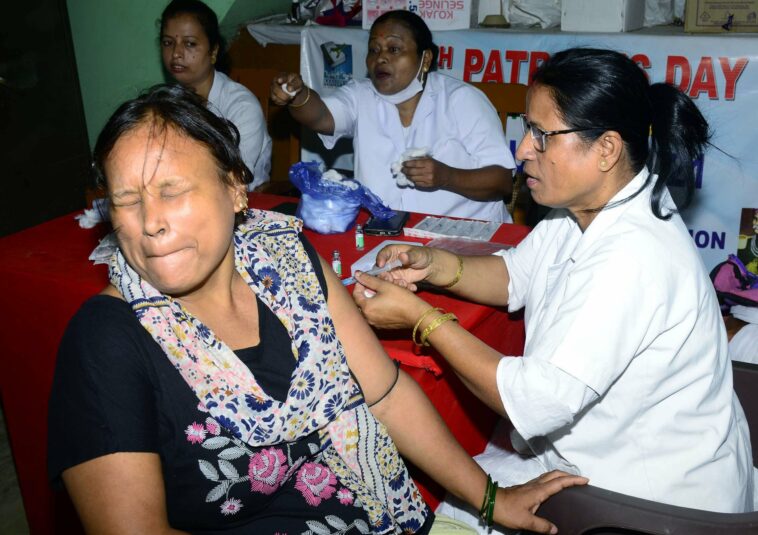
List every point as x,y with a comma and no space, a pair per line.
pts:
720,73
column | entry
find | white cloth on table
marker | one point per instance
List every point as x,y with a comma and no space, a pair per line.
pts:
505,467
453,118
275,32
744,345
236,103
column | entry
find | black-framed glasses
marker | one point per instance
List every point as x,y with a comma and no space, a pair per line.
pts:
539,136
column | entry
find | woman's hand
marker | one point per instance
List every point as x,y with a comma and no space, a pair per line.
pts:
515,506
294,84
387,305
428,173
304,104
416,264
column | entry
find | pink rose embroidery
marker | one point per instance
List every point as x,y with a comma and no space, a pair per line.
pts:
231,506
212,427
267,469
315,482
195,433
345,496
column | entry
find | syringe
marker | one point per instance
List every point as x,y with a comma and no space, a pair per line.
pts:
375,271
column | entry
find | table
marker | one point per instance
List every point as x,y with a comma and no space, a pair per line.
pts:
718,71
44,278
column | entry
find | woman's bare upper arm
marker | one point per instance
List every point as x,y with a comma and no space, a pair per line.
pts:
120,494
365,355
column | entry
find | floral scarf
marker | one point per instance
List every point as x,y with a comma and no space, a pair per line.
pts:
323,396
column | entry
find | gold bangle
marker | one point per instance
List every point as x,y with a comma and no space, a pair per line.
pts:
458,274
434,324
418,323
303,103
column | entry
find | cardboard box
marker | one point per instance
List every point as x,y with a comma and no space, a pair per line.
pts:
713,16
602,15
438,14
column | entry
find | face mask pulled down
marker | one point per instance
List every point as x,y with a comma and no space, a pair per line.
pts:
408,92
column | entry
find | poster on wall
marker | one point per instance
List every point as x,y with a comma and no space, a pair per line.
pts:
747,240
720,74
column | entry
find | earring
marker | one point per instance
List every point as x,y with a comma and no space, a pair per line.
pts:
603,164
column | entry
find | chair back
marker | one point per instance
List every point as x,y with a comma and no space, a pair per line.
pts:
594,511
258,81
283,129
746,387
508,99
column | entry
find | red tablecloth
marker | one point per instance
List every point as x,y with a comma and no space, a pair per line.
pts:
45,276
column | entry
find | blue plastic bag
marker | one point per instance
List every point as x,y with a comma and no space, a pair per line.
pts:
331,206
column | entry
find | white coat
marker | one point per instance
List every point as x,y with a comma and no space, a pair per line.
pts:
454,119
626,311
236,103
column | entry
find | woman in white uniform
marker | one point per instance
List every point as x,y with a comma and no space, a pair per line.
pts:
191,47
625,376
463,166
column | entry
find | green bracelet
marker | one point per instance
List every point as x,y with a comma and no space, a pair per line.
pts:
483,508
491,507
488,504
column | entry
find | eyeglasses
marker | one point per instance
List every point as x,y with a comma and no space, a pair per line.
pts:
539,136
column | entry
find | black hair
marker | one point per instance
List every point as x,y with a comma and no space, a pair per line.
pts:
661,127
207,19
418,28
171,106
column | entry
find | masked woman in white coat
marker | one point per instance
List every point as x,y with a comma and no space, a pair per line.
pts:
625,376
442,135
191,49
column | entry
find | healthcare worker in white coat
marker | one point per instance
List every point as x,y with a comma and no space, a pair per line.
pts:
191,47
625,376
423,142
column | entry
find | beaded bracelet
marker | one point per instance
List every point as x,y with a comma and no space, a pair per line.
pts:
303,103
418,323
487,510
434,324
458,274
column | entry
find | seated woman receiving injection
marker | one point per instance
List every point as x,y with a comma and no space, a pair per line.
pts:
224,381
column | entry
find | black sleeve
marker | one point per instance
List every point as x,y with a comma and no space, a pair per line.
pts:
317,267
102,400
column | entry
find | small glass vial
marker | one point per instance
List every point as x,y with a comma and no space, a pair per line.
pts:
337,263
359,245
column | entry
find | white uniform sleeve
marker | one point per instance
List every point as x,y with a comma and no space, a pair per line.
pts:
343,105
480,128
538,397
255,143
